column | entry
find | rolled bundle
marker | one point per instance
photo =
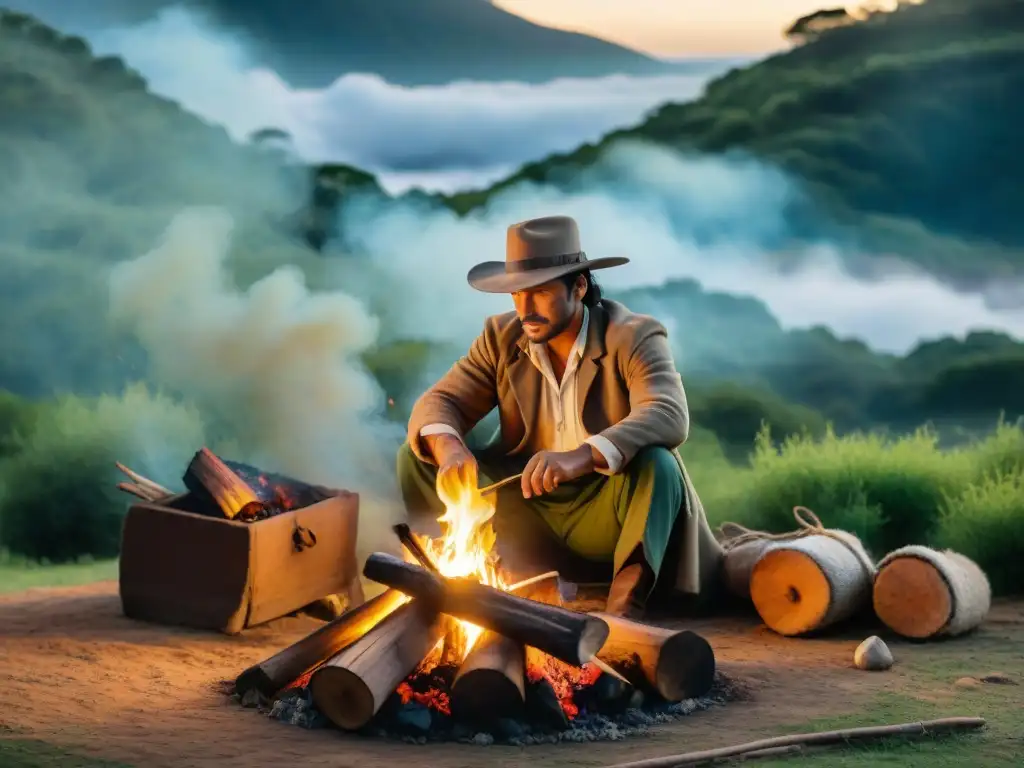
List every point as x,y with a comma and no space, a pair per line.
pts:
923,593
742,551
807,583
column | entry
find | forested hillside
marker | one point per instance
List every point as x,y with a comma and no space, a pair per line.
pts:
409,42
903,128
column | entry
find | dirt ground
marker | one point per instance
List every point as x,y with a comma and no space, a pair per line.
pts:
74,672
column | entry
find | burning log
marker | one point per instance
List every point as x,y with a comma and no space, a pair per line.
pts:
353,685
570,636
271,675
490,684
677,664
216,486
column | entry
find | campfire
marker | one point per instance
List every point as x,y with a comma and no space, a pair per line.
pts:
451,643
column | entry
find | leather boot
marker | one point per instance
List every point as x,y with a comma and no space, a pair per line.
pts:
628,594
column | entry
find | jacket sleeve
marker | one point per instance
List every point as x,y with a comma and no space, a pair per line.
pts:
658,411
462,397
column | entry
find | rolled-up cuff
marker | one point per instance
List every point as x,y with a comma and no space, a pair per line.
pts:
612,455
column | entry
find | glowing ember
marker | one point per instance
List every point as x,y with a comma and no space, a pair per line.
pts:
565,679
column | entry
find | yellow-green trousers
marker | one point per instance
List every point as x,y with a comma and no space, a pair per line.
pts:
586,529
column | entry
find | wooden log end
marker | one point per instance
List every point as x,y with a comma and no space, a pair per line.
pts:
790,591
255,679
592,638
912,598
485,695
686,667
342,697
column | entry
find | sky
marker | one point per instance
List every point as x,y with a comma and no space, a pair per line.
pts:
675,28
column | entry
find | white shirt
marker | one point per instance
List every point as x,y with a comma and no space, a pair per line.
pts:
559,406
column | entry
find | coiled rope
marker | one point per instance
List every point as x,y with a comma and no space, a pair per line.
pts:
809,525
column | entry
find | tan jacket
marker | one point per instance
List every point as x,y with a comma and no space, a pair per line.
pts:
629,391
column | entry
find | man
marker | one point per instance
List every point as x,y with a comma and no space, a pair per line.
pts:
591,409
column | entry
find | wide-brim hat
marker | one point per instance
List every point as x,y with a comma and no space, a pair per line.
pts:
537,251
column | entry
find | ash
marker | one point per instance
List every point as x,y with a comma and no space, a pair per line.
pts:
609,712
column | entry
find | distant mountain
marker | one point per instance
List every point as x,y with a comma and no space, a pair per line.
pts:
408,42
903,127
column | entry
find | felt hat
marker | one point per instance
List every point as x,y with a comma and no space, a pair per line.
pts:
537,251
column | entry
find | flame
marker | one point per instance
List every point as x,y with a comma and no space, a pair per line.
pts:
465,550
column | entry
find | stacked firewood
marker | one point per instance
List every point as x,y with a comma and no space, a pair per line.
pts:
354,663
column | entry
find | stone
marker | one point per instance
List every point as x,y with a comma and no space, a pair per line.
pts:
873,655
967,682
414,717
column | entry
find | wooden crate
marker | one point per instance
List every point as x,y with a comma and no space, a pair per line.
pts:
182,568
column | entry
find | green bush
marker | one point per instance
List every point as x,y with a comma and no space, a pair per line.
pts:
888,492
58,494
986,523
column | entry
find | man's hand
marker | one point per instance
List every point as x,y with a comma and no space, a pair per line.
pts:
547,469
457,466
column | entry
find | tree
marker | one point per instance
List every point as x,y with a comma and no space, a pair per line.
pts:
809,27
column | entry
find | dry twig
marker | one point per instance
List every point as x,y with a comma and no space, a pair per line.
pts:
808,739
156,490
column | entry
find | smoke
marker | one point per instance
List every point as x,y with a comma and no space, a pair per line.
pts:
674,216
275,366
443,137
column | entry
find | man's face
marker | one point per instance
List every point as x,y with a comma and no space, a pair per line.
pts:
547,310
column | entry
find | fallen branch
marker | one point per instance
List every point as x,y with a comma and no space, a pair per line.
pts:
809,739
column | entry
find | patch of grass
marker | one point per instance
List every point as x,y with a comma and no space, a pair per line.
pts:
31,753
927,691
17,574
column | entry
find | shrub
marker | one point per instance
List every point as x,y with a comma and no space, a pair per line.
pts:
1002,452
58,494
888,492
986,523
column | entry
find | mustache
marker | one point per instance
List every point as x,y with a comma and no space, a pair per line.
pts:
534,319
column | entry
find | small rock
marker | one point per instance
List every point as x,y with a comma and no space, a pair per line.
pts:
415,717
251,699
967,682
873,654
483,739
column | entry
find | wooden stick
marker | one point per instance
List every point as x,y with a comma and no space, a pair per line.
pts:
500,484
678,664
569,636
272,674
409,541
145,482
352,686
136,490
809,739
